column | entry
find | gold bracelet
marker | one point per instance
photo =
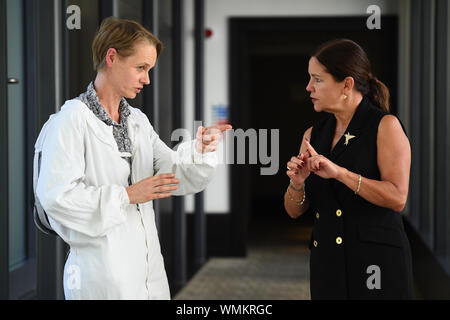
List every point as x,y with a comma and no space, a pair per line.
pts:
359,184
297,202
296,190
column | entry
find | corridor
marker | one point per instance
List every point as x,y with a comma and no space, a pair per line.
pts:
276,267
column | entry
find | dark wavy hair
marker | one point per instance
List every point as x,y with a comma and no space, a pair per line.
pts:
345,58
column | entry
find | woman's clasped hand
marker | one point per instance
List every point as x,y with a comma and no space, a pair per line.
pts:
299,167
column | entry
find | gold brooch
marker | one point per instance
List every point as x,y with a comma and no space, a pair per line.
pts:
348,136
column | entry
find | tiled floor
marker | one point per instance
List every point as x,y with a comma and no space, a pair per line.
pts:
276,267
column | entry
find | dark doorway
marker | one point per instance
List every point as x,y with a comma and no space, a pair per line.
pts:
268,78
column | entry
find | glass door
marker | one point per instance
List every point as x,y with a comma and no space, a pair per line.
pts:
21,258
16,136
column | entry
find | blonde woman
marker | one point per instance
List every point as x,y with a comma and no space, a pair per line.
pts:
103,164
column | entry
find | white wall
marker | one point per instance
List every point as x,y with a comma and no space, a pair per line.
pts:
217,196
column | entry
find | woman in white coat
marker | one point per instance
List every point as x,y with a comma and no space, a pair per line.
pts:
103,164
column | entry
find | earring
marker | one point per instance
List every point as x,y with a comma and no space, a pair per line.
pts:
345,96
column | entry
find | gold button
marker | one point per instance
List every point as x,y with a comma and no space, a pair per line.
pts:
338,240
338,212
317,215
315,243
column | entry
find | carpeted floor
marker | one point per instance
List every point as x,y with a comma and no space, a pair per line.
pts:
276,267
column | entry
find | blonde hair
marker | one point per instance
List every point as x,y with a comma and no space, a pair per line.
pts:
122,35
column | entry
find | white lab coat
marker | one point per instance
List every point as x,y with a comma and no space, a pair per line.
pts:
114,248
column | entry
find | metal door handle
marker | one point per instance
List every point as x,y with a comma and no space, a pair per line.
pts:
13,81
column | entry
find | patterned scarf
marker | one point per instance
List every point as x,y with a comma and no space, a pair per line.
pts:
120,130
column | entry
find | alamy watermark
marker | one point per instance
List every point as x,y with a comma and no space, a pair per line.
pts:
374,280
374,20
234,149
74,19
73,281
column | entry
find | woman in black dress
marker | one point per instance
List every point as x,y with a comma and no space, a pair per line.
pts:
352,172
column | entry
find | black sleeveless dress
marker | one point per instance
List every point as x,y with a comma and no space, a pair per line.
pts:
358,250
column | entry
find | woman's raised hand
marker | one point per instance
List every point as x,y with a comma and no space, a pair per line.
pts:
151,188
320,165
207,139
297,170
